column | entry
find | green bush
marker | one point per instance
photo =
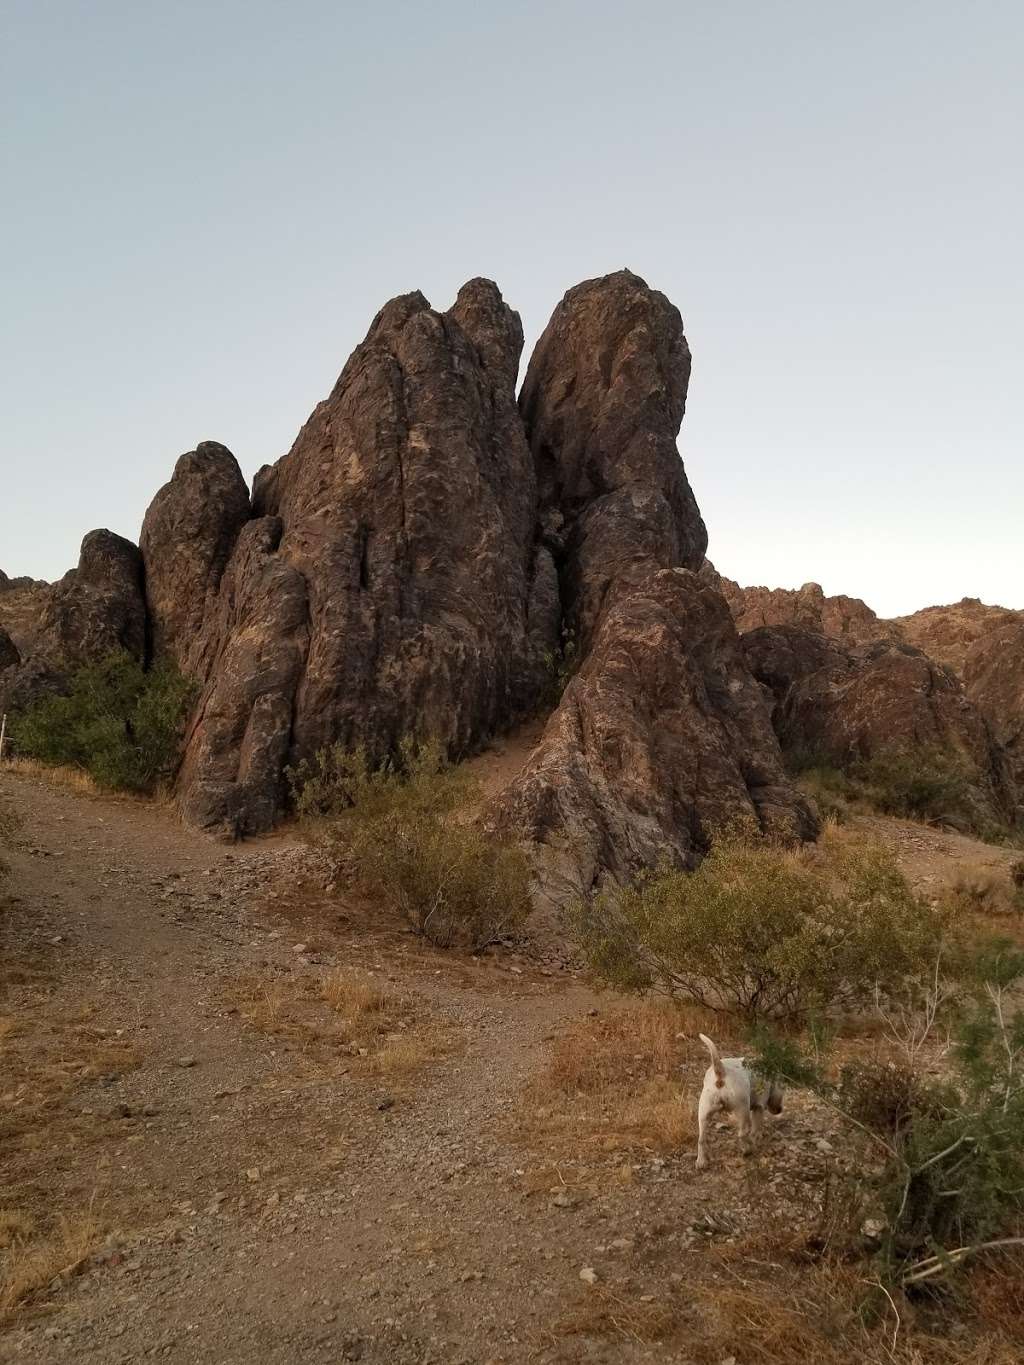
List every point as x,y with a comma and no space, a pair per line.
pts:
948,1181
761,931
397,831
925,783
118,722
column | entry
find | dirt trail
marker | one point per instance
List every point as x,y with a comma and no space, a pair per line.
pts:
269,1202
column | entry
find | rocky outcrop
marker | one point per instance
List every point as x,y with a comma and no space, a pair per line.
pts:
603,400
837,704
662,737
994,681
808,608
660,740
391,584
9,655
187,537
94,610
949,633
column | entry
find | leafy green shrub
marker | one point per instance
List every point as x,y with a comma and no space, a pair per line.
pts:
395,830
924,783
762,931
118,722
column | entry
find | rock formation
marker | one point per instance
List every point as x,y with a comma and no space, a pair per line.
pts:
841,617
662,736
994,681
94,610
390,583
603,400
660,739
9,654
836,703
948,633
187,537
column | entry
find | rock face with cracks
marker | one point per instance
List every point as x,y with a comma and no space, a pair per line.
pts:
660,739
836,704
390,584
663,735
95,610
187,537
994,681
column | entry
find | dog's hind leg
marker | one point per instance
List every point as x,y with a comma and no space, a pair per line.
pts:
705,1109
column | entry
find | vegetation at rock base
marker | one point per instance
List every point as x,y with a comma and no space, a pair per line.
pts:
118,722
929,783
763,931
943,1176
397,830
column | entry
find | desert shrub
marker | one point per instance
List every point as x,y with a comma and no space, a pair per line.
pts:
394,829
761,931
118,722
950,1181
1017,873
984,890
832,791
925,783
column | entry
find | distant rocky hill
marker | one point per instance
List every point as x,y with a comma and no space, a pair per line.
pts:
949,633
430,546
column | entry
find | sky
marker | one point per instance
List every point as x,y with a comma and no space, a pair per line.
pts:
206,203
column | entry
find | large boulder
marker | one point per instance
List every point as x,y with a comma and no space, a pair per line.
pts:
402,520
603,400
661,739
187,537
994,682
95,610
839,704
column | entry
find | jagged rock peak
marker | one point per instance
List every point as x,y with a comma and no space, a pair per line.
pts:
188,533
603,400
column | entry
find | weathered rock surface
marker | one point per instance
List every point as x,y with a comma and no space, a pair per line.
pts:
948,633
661,738
841,617
392,584
94,610
9,655
994,681
603,400
663,735
187,537
837,703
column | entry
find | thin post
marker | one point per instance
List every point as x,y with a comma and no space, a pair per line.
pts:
3,732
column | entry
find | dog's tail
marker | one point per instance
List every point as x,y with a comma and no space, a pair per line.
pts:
716,1060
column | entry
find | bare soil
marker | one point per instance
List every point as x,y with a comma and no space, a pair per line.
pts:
268,1188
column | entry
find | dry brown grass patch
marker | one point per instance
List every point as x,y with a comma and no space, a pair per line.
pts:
604,1312
341,1017
31,1262
614,1081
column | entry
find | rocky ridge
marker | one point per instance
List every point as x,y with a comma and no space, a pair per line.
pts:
432,556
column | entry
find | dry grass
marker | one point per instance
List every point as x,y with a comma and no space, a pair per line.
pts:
354,993
985,890
603,1312
342,1018
614,1081
75,780
30,1262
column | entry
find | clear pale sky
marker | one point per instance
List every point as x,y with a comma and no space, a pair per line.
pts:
205,204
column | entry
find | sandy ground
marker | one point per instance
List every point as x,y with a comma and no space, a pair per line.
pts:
269,1190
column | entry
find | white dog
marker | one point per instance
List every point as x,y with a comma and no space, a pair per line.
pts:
730,1087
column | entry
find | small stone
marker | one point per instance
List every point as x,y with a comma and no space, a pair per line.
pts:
588,1275
186,1061
253,1174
